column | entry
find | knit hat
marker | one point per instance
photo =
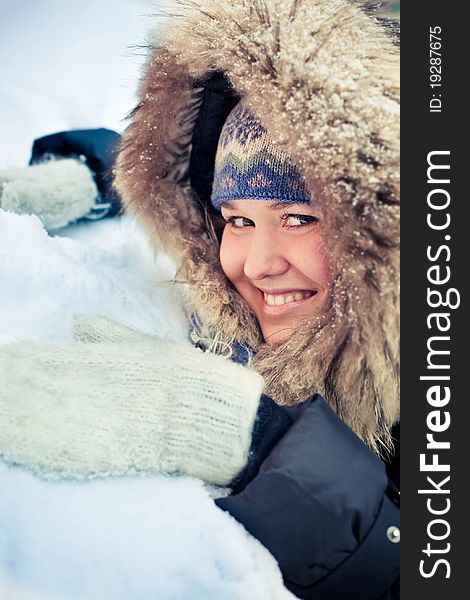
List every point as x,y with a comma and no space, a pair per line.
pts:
249,165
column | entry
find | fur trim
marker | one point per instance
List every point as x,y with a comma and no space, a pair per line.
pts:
323,77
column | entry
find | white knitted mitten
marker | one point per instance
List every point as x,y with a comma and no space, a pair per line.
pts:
110,409
96,328
57,191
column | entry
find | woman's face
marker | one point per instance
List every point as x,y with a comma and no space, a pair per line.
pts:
273,254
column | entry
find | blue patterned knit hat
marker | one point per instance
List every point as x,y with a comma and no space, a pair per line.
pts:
250,166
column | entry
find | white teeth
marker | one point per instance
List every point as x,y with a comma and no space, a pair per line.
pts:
279,299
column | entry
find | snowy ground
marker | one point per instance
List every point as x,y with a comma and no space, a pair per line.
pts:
139,539
67,65
106,268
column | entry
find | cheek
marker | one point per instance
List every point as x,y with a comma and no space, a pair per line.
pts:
313,261
231,257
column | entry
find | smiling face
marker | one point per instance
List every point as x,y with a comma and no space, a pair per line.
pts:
273,254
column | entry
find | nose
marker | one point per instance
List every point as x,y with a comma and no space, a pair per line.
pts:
265,256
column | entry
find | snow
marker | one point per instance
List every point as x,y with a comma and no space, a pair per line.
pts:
108,269
67,65
159,538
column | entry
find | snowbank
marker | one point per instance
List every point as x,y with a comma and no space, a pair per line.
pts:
108,269
125,539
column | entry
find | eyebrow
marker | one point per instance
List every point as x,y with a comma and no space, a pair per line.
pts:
271,206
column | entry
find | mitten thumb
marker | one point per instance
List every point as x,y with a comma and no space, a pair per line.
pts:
96,328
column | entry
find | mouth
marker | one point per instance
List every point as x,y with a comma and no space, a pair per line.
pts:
278,302
278,299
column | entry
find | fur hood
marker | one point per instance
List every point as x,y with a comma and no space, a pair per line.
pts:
323,77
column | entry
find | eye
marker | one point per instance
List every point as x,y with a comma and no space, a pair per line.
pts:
296,221
239,222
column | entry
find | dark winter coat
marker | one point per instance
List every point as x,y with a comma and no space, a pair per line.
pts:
321,75
322,504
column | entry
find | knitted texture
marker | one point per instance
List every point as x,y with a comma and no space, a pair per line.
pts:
94,328
57,191
153,406
250,165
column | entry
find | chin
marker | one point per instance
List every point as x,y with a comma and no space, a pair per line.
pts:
275,335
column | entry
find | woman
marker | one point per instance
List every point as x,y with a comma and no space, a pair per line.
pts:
322,78
297,106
